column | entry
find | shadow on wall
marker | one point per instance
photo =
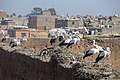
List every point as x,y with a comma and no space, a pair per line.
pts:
15,66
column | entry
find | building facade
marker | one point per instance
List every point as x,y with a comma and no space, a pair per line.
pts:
28,33
71,22
21,21
45,21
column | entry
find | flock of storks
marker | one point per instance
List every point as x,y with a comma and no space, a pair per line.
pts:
14,42
68,42
102,53
96,49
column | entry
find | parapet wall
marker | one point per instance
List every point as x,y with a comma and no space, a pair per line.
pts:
16,66
58,64
114,30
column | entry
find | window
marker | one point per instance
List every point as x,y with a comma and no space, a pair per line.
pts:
23,35
73,23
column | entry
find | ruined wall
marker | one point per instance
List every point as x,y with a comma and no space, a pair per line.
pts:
15,66
53,63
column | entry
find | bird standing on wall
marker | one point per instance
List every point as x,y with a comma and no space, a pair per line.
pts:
96,49
97,46
65,42
15,42
53,38
91,52
74,40
5,38
24,39
103,54
70,41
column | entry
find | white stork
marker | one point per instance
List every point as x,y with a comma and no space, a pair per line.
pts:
95,50
15,42
97,46
91,52
66,41
53,38
70,41
74,40
24,39
103,54
5,38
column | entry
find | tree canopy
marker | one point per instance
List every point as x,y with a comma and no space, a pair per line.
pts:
37,9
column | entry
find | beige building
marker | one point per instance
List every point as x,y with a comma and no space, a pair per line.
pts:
28,33
68,22
45,21
7,23
22,21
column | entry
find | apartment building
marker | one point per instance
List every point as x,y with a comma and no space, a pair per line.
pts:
22,31
44,21
67,21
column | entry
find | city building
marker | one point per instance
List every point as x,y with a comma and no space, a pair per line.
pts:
21,21
68,21
44,21
7,23
24,31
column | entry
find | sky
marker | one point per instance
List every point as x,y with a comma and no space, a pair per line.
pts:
63,7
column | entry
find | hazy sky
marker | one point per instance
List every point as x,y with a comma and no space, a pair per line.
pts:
72,7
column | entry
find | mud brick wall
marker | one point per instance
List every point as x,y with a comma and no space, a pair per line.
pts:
15,66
